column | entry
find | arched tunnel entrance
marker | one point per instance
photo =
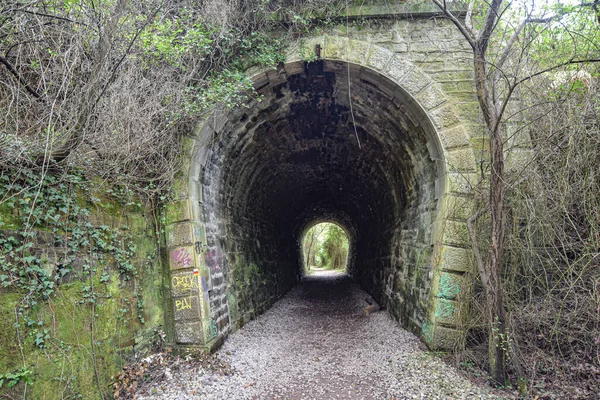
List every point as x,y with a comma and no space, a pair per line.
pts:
326,140
299,155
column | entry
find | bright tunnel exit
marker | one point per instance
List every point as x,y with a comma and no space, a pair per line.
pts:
325,246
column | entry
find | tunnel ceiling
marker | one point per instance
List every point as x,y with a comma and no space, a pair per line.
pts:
294,157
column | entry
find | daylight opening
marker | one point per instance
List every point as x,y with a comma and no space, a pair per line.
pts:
325,246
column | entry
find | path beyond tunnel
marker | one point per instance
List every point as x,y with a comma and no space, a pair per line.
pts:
317,343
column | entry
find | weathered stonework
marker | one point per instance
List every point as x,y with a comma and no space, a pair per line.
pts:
397,172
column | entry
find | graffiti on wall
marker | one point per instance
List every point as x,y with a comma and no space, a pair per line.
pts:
232,306
183,304
184,283
214,260
205,289
210,328
181,258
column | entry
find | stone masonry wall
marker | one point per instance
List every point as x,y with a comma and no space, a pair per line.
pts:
260,174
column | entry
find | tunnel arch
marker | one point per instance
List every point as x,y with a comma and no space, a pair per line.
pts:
255,173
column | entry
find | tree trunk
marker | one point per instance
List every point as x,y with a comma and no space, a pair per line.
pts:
498,344
490,275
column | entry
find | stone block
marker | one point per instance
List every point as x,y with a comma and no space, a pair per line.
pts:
468,110
399,47
200,240
447,312
180,234
448,286
178,211
335,48
460,207
427,332
456,259
182,257
431,97
454,137
184,283
444,117
260,80
454,76
294,68
457,234
180,186
397,68
189,332
357,52
465,87
444,338
379,57
461,160
276,77
186,308
463,183
414,81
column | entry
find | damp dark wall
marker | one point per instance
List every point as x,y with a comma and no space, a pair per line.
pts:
319,146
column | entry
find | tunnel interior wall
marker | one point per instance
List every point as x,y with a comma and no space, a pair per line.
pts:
364,137
300,154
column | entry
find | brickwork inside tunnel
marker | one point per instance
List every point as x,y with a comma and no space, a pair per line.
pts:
295,157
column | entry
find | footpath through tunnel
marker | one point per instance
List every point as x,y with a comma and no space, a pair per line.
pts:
327,141
334,142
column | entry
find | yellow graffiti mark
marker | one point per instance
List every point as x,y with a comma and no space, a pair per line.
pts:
183,304
184,282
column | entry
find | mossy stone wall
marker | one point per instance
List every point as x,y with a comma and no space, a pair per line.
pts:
106,300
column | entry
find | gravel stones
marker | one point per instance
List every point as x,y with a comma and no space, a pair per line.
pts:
317,343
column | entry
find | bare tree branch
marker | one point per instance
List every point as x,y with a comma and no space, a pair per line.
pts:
468,36
20,79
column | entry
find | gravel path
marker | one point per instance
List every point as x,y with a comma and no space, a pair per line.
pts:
317,343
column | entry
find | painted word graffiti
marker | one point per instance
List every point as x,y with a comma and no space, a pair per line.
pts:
184,282
183,304
181,257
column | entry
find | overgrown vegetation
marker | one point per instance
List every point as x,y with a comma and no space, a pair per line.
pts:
69,260
325,246
552,274
95,99
535,244
104,91
111,87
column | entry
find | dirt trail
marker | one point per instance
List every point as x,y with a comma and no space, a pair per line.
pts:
317,343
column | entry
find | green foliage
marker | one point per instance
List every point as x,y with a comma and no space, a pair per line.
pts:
171,40
49,206
326,246
12,378
69,270
184,39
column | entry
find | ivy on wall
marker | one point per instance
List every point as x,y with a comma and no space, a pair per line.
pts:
71,259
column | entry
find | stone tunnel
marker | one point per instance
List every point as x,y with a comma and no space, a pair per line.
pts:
360,136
